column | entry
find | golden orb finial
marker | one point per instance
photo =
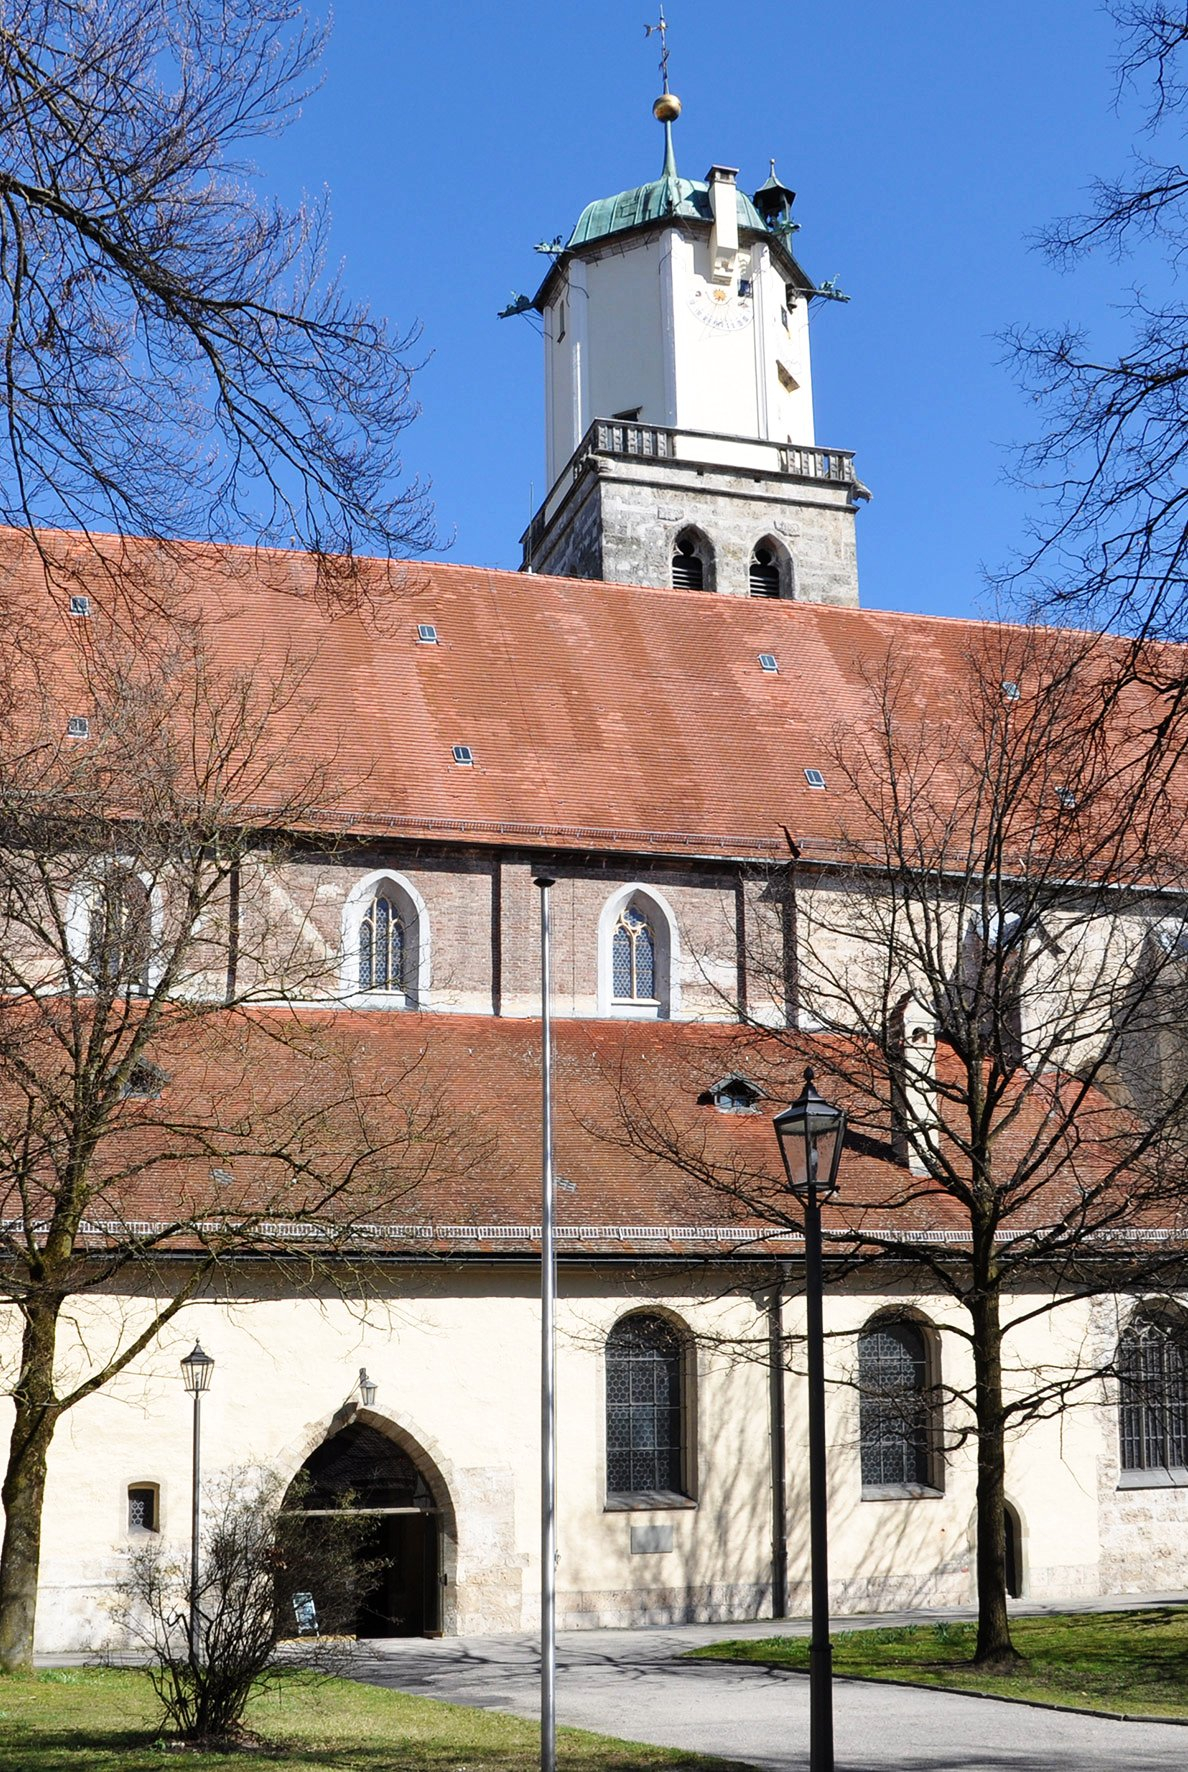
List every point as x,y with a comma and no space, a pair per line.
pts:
667,108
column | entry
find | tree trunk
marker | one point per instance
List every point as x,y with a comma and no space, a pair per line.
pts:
994,1646
23,1489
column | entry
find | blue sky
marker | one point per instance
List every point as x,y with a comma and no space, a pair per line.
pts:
927,142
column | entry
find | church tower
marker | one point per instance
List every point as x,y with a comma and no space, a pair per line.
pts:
678,397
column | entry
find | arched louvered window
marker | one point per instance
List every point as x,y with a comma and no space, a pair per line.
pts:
633,957
645,1409
1153,1395
764,577
381,946
119,936
688,563
896,1407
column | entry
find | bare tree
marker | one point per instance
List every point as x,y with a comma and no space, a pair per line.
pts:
153,1120
1112,538
984,964
176,360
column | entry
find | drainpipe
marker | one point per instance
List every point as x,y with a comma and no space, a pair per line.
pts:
779,1476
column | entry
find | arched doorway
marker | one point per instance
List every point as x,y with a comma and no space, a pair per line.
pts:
359,1469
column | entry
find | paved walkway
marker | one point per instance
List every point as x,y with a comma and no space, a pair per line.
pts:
632,1684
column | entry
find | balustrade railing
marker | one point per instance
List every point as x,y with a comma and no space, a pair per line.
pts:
630,439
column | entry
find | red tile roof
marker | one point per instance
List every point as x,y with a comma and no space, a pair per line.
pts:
222,1137
598,715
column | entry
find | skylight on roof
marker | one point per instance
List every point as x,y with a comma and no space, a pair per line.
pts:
814,778
767,661
78,726
463,754
80,605
1067,798
427,633
1011,690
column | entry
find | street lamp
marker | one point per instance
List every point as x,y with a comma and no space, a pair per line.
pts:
810,1134
196,1370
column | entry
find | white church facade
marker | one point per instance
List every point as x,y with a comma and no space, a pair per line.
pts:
627,713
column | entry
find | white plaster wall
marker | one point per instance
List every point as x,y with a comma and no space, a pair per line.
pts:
454,1351
636,336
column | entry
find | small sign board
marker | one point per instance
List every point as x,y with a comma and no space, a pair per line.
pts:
306,1614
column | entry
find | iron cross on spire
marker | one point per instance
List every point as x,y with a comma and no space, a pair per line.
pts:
662,28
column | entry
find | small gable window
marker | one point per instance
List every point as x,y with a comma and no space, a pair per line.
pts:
734,1095
634,957
382,946
145,1081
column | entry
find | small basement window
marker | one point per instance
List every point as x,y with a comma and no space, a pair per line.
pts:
80,606
78,726
427,633
143,1511
767,661
814,778
464,755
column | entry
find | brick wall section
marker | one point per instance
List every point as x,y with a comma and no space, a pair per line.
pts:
484,915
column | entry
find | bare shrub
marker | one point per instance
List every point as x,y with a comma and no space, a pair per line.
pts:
260,1566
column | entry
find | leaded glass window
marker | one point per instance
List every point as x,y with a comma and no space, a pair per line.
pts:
644,1408
634,958
381,947
895,1406
142,1508
1153,1399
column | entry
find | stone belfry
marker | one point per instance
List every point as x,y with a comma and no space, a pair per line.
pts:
679,445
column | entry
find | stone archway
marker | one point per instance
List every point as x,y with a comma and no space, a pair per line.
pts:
359,1469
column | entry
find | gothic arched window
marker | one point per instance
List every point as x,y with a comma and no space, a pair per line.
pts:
896,1406
984,999
1153,1395
646,1426
633,957
119,933
692,562
764,576
381,946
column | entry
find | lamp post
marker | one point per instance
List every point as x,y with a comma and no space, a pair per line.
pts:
548,1352
810,1134
196,1370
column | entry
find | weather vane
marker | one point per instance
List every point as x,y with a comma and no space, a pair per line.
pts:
662,28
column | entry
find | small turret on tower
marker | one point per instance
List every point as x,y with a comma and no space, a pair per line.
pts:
678,395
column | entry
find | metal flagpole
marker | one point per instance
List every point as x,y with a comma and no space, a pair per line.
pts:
548,1362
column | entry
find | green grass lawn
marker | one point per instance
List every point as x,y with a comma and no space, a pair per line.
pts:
1133,1662
104,1720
